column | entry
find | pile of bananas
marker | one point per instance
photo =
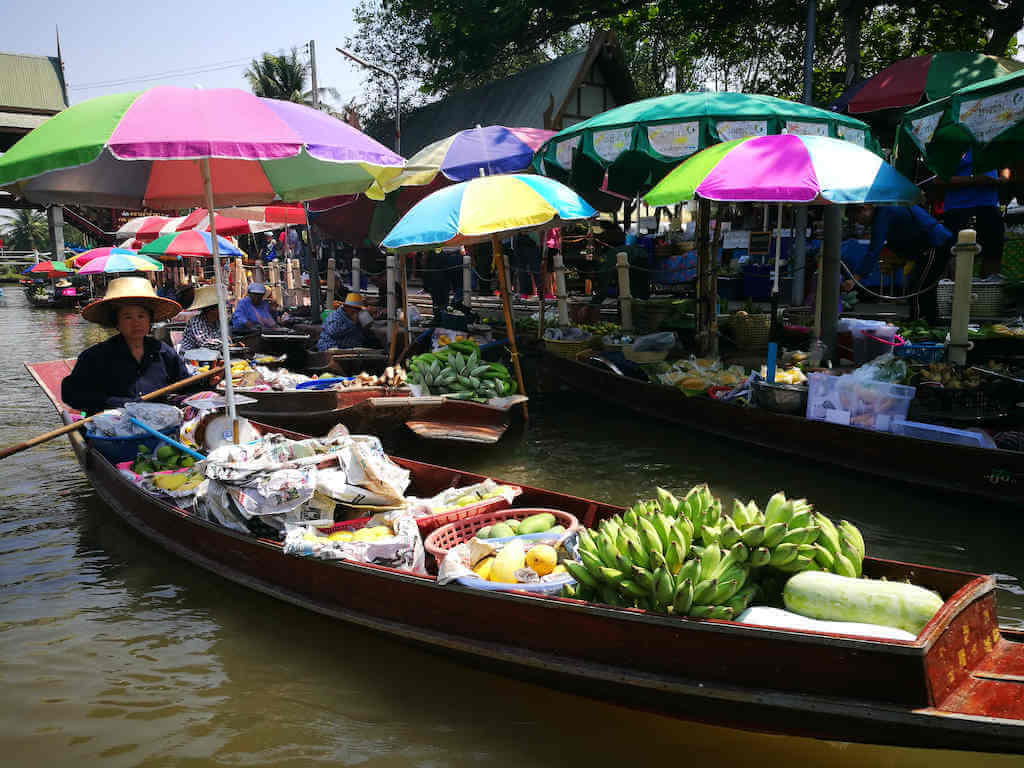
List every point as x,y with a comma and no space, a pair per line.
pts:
456,370
687,558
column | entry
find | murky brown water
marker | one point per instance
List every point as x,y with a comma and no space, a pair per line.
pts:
114,652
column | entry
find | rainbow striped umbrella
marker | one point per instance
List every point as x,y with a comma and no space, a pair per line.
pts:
113,260
48,268
191,242
785,168
477,210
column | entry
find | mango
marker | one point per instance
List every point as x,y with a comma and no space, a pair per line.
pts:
558,530
484,533
511,558
537,523
542,559
483,568
164,451
500,531
513,524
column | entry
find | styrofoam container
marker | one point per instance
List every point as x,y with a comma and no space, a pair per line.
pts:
940,434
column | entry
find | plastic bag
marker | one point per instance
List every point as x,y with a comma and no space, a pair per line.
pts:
571,333
887,368
115,422
655,342
403,550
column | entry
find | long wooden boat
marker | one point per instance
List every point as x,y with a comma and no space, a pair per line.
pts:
376,410
958,685
993,474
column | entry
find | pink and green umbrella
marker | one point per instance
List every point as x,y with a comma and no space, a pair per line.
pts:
140,150
785,168
192,242
49,269
108,261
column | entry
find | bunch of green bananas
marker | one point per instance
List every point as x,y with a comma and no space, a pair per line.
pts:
456,370
685,557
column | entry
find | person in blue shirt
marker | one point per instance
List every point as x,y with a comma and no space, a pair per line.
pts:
910,232
345,327
977,195
253,313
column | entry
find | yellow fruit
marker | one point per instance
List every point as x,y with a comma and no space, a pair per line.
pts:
341,536
171,482
559,569
483,568
511,558
542,558
462,501
364,534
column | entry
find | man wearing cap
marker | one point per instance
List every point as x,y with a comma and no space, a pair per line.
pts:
203,330
345,327
252,312
131,363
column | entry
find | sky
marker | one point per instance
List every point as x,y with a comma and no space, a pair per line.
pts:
116,46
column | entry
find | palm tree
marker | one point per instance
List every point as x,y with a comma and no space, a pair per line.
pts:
283,76
26,230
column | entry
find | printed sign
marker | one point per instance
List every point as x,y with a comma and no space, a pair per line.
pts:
738,238
989,116
674,139
563,152
610,144
923,128
740,129
805,128
852,135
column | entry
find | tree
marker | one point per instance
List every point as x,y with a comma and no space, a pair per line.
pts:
26,230
283,76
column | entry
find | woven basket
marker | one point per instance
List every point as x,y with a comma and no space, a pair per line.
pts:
643,357
567,349
752,331
649,315
798,316
448,536
986,298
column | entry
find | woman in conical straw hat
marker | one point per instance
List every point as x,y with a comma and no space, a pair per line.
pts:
131,363
203,330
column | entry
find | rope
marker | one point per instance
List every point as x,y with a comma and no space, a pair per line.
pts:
931,260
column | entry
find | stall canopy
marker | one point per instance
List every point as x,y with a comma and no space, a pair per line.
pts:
627,150
986,118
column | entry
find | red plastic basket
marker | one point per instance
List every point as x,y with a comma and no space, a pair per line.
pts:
443,539
433,522
345,525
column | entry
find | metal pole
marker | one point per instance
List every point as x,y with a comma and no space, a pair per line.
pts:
222,308
398,94
312,81
829,296
799,255
314,267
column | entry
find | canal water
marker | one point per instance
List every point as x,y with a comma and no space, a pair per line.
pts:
115,652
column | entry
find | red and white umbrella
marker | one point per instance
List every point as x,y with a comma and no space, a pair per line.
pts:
281,214
146,228
226,225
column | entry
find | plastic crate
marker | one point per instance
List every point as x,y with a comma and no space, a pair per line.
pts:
879,405
431,523
986,298
118,449
939,434
922,352
830,398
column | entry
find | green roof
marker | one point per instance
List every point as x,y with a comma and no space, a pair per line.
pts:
31,83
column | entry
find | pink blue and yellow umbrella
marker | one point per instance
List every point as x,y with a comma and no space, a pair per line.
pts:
469,154
189,243
114,260
476,210
785,168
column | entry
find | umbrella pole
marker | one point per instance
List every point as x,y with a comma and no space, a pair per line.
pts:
499,259
405,301
772,334
222,308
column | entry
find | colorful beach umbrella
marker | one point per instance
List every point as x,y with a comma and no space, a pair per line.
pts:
229,226
119,260
146,228
79,260
189,243
468,154
281,214
627,150
908,82
785,169
474,211
48,269
139,150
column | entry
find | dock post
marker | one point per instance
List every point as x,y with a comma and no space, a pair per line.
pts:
965,250
329,301
355,274
392,314
625,297
467,280
563,300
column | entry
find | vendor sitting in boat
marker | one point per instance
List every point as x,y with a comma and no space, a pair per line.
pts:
131,363
203,330
346,326
253,313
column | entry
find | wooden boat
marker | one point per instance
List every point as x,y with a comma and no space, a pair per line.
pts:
377,410
958,685
997,475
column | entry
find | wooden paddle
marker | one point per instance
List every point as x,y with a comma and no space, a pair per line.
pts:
19,447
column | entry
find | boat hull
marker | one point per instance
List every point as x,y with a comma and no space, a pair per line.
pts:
991,474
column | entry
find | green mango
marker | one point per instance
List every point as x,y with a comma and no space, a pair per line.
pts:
484,533
501,530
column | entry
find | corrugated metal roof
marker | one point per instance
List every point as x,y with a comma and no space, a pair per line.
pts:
30,82
21,120
520,100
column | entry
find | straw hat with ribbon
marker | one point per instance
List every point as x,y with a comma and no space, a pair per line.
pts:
129,290
205,298
355,300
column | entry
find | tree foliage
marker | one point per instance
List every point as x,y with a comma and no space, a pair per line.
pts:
25,230
284,76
